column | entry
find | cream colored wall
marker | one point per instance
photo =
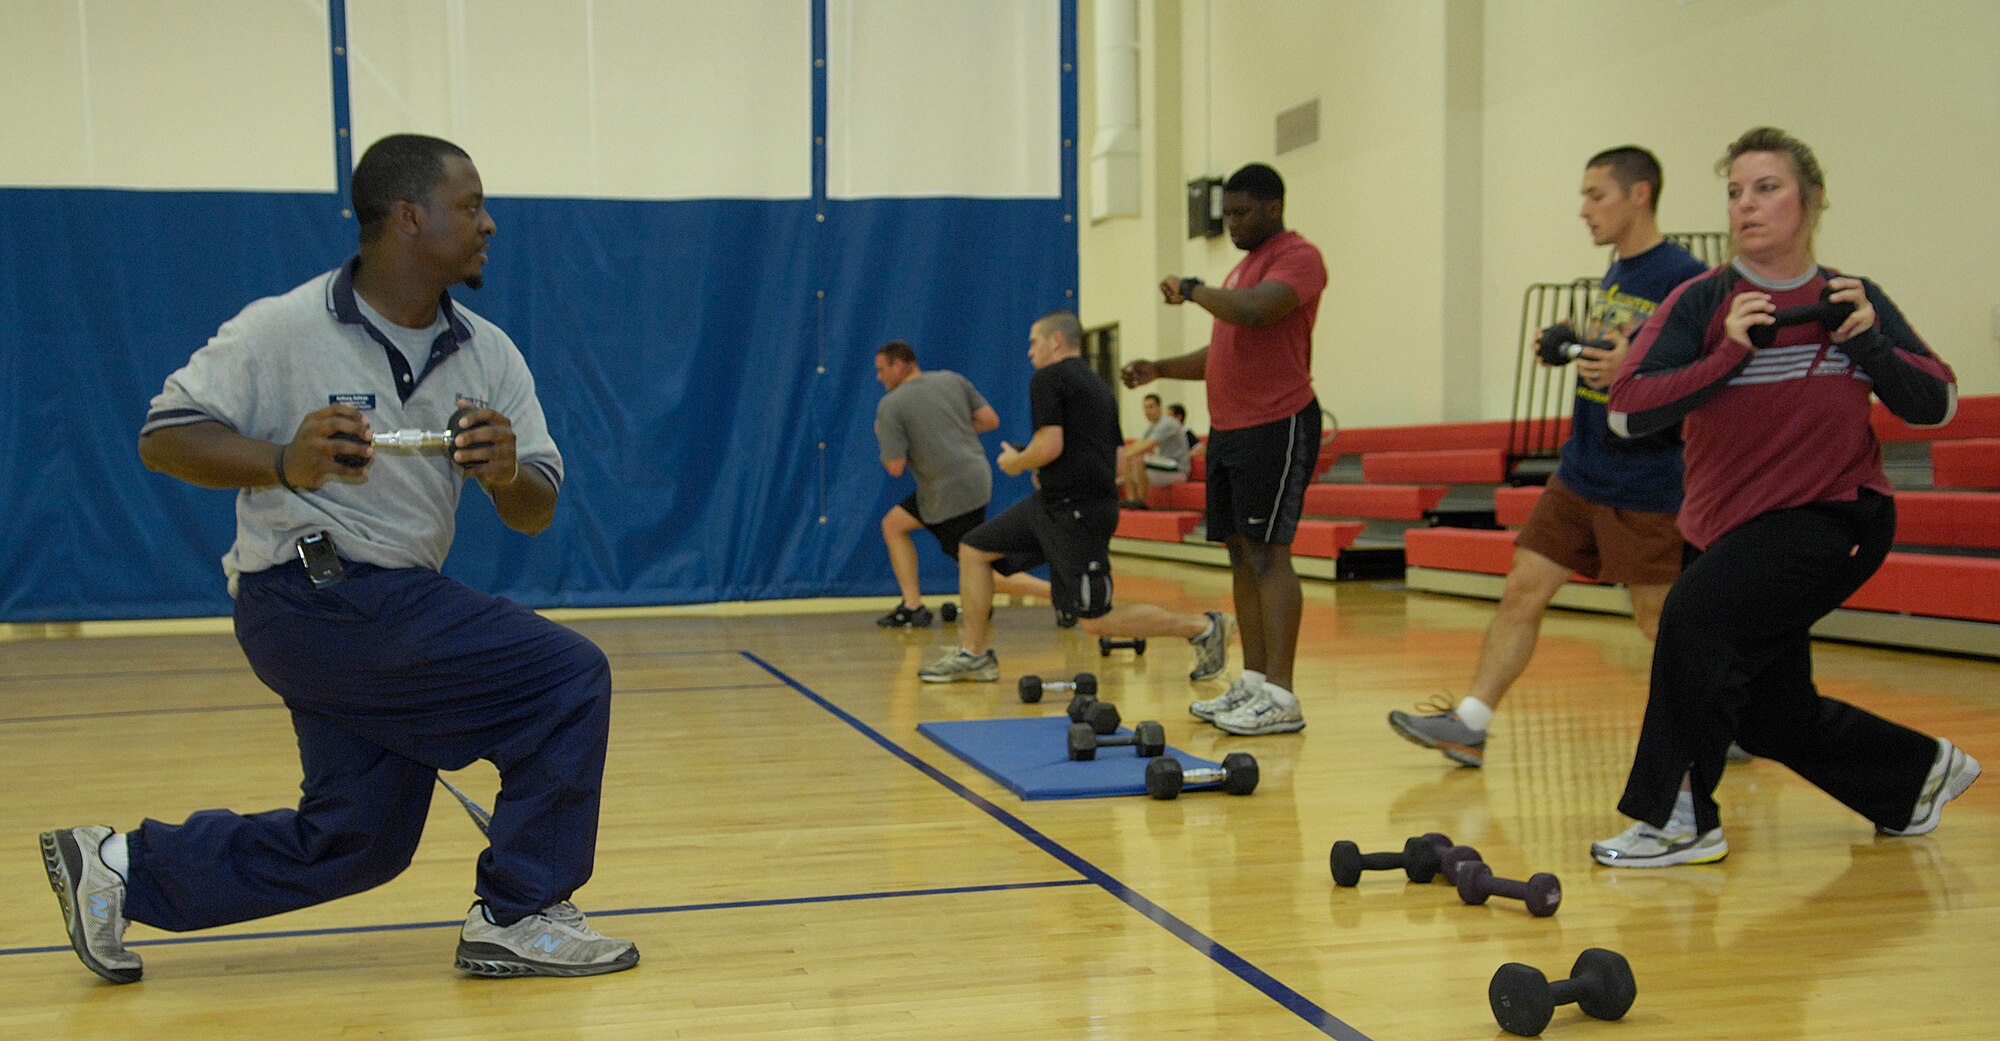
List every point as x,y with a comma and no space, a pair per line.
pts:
1901,101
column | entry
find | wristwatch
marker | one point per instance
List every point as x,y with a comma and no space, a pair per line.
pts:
1187,287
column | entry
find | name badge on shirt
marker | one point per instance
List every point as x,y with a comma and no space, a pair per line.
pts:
361,402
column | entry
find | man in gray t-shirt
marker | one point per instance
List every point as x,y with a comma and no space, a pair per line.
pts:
1157,459
348,414
929,424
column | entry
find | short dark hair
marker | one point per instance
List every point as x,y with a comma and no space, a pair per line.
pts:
1177,410
1258,182
1154,398
400,167
1630,165
897,350
1064,322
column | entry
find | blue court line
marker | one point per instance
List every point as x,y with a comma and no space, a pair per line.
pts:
264,706
1298,1004
724,905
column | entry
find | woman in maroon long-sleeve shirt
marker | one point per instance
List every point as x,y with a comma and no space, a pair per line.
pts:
1787,500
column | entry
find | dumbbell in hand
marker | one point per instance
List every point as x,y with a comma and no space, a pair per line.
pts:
416,440
1031,687
1148,739
1419,859
1524,1000
1541,892
1826,312
1106,644
1558,344
1165,776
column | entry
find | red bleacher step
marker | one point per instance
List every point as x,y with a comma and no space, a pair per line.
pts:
1933,585
1379,501
1478,550
1325,538
1454,466
1966,519
1977,416
1974,463
1511,506
1156,525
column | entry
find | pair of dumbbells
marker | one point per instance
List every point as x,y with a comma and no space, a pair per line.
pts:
1166,778
1523,1000
1148,739
1433,856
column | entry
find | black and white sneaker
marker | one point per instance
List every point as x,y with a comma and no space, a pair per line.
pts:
905,617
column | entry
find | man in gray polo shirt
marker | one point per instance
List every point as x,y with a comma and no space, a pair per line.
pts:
391,671
929,424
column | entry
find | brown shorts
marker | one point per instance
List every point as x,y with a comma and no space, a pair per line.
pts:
1629,547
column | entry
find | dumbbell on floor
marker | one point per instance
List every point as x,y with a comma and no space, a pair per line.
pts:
949,612
1107,644
1165,776
1452,859
1541,892
1419,860
1148,739
1031,687
1524,1000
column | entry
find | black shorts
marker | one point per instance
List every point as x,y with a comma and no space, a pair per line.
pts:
1073,538
1257,477
948,532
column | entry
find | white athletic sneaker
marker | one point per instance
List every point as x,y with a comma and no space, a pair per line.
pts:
1644,846
1260,715
553,942
1239,692
92,897
1951,774
959,667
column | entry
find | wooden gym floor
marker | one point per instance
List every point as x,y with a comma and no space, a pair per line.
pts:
796,862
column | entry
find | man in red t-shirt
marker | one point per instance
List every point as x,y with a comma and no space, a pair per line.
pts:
1263,438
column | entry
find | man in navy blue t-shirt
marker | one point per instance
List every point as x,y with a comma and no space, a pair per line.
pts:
1609,510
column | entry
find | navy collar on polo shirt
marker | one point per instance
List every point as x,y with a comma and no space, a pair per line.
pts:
340,300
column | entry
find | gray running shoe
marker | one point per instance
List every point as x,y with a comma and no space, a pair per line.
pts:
1951,774
960,667
1238,693
1644,846
92,897
906,617
1260,715
554,942
1211,652
1440,728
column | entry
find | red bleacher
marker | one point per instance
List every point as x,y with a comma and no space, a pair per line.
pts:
1965,519
1934,586
1156,525
1976,417
1380,501
1452,466
1324,538
1511,506
1973,463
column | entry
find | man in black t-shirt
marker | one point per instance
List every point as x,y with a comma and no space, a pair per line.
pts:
1067,523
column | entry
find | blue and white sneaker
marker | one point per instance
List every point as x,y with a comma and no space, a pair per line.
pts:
555,941
92,897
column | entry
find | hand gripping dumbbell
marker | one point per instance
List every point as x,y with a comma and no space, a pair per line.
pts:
1541,892
1148,738
1106,644
1420,859
1826,313
1524,1000
1558,344
1165,776
415,440
1031,687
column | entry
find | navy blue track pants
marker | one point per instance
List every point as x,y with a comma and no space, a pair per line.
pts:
391,676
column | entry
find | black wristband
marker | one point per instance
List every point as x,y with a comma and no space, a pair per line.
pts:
282,479
1187,287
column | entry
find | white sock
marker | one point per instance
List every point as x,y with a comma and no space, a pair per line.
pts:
1284,698
1474,713
112,852
1684,806
1253,681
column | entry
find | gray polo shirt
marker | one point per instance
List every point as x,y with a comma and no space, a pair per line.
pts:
927,420
285,356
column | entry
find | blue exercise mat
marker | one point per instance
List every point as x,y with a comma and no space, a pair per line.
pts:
1031,758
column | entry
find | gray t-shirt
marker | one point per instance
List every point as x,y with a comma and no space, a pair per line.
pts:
285,356
927,420
1172,447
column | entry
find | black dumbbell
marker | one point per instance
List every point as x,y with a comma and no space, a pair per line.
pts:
1541,892
1100,716
1106,644
1148,738
1165,777
1559,346
449,437
1031,687
1418,859
1826,313
1452,859
1524,1000
1079,706
949,612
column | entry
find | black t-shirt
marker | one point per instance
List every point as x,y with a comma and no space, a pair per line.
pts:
1069,395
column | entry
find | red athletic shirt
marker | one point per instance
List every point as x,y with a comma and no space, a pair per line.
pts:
1260,374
